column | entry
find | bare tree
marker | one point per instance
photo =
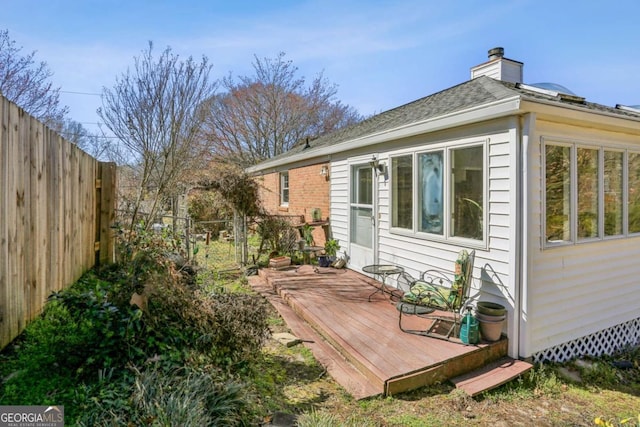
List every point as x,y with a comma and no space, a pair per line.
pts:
26,83
155,110
266,114
98,146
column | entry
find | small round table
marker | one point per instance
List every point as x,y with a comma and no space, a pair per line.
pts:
307,251
382,271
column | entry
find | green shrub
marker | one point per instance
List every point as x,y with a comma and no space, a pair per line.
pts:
187,398
105,335
42,366
161,397
105,401
80,351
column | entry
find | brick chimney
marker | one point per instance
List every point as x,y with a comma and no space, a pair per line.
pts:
499,67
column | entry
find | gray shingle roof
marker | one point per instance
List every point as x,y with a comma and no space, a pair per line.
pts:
472,93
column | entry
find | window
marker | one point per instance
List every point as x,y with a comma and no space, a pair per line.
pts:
440,194
633,192
584,193
284,188
558,193
402,192
613,193
588,192
467,189
431,195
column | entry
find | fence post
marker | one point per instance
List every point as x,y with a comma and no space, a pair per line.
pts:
105,213
187,235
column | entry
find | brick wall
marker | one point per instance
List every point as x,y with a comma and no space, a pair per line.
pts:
307,190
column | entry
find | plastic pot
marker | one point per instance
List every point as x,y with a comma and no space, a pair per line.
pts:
490,326
491,308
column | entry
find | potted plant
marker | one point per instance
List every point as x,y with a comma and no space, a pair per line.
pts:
331,248
307,235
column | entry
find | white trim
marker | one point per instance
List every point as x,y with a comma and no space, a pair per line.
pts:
520,258
570,113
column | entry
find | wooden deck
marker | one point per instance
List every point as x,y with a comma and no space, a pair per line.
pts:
368,353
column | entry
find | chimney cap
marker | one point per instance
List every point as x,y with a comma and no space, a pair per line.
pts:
496,52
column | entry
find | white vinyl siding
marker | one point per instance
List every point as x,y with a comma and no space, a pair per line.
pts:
339,201
570,290
492,273
578,289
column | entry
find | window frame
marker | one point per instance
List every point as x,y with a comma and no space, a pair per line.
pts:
392,193
623,192
601,149
572,194
282,177
598,199
626,189
447,149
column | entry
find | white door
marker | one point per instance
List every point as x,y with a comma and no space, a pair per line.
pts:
362,221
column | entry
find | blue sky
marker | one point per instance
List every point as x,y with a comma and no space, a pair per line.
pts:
381,54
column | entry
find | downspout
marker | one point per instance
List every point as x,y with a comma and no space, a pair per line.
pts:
522,330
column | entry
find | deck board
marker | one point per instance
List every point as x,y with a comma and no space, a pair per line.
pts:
352,380
335,303
491,376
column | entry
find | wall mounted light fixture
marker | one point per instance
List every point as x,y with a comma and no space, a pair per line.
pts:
378,167
324,171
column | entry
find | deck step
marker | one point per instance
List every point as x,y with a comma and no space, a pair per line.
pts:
491,376
353,381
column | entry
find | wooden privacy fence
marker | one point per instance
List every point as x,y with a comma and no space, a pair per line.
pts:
57,204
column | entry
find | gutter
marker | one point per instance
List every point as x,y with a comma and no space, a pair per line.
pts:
569,112
492,110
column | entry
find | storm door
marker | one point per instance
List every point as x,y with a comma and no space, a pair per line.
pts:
362,221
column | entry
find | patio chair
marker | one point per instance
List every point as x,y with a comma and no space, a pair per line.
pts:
437,290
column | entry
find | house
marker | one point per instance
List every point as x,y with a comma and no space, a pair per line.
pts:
299,193
544,185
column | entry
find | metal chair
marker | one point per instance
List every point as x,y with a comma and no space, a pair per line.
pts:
437,290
